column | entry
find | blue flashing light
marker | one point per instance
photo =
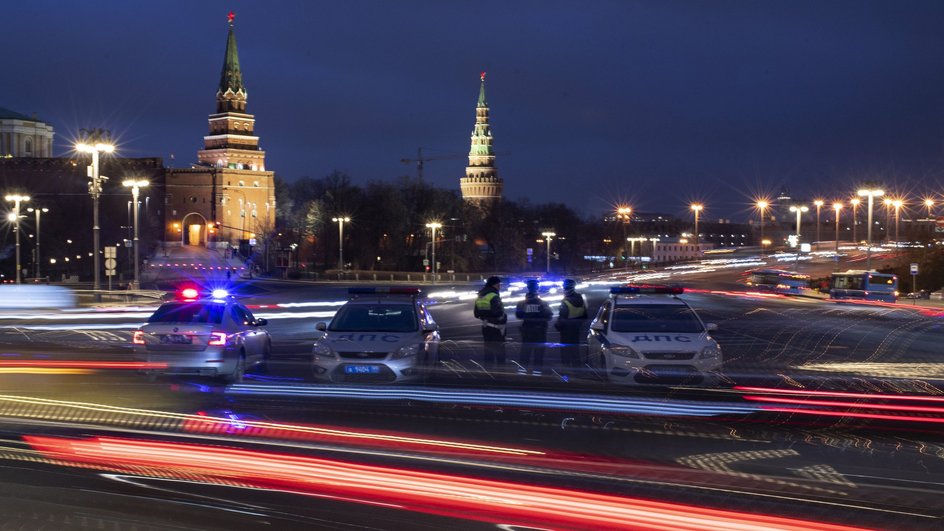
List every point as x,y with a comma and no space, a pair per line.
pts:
219,294
647,290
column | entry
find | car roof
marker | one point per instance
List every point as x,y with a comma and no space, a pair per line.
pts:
640,300
384,299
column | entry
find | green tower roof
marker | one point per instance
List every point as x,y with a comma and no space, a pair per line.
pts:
232,77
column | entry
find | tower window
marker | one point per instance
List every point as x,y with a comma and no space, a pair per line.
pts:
28,146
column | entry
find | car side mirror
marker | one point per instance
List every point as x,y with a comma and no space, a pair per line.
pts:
711,327
597,326
321,326
261,322
430,327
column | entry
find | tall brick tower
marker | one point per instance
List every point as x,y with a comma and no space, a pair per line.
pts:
481,183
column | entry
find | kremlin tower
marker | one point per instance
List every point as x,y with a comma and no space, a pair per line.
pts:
481,183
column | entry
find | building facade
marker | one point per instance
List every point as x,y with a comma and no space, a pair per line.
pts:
481,183
227,196
22,136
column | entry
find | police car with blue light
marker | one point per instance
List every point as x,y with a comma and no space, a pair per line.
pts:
379,335
648,335
203,333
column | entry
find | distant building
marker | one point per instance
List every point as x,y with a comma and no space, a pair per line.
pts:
23,136
481,183
668,250
227,197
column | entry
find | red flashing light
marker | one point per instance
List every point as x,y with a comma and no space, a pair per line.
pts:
189,293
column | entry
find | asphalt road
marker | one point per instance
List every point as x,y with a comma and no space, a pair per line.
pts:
707,448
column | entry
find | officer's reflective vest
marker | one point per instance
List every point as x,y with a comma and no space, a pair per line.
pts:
484,303
574,312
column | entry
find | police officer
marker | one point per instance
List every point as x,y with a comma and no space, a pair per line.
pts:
573,313
490,310
534,314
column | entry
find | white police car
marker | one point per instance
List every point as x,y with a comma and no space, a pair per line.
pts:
380,335
647,335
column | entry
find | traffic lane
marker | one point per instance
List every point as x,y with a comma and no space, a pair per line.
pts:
722,464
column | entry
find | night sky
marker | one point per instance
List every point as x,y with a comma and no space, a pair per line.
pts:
654,103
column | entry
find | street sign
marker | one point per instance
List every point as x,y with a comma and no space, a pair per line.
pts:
111,252
110,263
914,268
425,262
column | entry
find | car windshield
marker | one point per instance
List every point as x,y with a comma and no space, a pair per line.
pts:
189,312
374,318
670,318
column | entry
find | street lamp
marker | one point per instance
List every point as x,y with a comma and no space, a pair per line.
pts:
341,221
819,205
15,218
654,241
632,246
897,203
696,208
871,193
799,209
547,237
95,190
136,185
930,204
761,207
888,218
38,211
623,214
433,226
855,207
837,206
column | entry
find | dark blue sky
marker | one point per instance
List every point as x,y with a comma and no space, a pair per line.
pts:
657,103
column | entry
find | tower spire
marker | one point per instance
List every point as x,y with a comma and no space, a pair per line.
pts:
231,95
481,183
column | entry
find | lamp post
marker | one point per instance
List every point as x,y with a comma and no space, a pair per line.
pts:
623,214
897,203
871,193
837,206
433,226
136,185
888,219
95,190
38,211
654,241
547,238
15,218
819,205
341,221
696,208
930,204
761,207
855,207
799,209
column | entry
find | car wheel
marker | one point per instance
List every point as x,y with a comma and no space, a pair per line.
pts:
239,372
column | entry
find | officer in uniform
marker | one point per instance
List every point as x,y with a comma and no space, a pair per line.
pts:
534,314
573,313
490,310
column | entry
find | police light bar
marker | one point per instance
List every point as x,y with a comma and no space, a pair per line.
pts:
383,291
191,293
647,290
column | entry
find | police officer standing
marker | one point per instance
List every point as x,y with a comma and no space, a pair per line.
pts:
573,313
534,314
490,310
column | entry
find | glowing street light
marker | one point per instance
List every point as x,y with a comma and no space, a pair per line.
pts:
623,214
837,206
930,204
341,221
95,190
433,226
761,207
897,203
15,218
855,207
819,205
136,185
38,211
547,237
871,193
696,208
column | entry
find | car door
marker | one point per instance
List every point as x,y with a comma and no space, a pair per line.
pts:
432,336
253,336
598,329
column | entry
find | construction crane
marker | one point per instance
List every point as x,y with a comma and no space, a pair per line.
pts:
420,160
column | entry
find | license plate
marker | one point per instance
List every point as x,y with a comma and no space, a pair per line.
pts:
176,339
362,369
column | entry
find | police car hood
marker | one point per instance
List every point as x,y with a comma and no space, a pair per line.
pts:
370,341
661,341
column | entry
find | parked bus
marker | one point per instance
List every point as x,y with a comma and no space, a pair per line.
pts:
867,285
778,280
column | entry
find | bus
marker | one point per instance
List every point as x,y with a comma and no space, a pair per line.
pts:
866,285
778,280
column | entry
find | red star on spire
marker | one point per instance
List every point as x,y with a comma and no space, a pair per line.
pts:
230,17
483,76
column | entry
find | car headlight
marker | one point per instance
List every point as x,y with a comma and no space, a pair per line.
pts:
621,350
407,351
710,352
324,351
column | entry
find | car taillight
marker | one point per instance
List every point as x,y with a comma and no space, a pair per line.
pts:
138,338
217,339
